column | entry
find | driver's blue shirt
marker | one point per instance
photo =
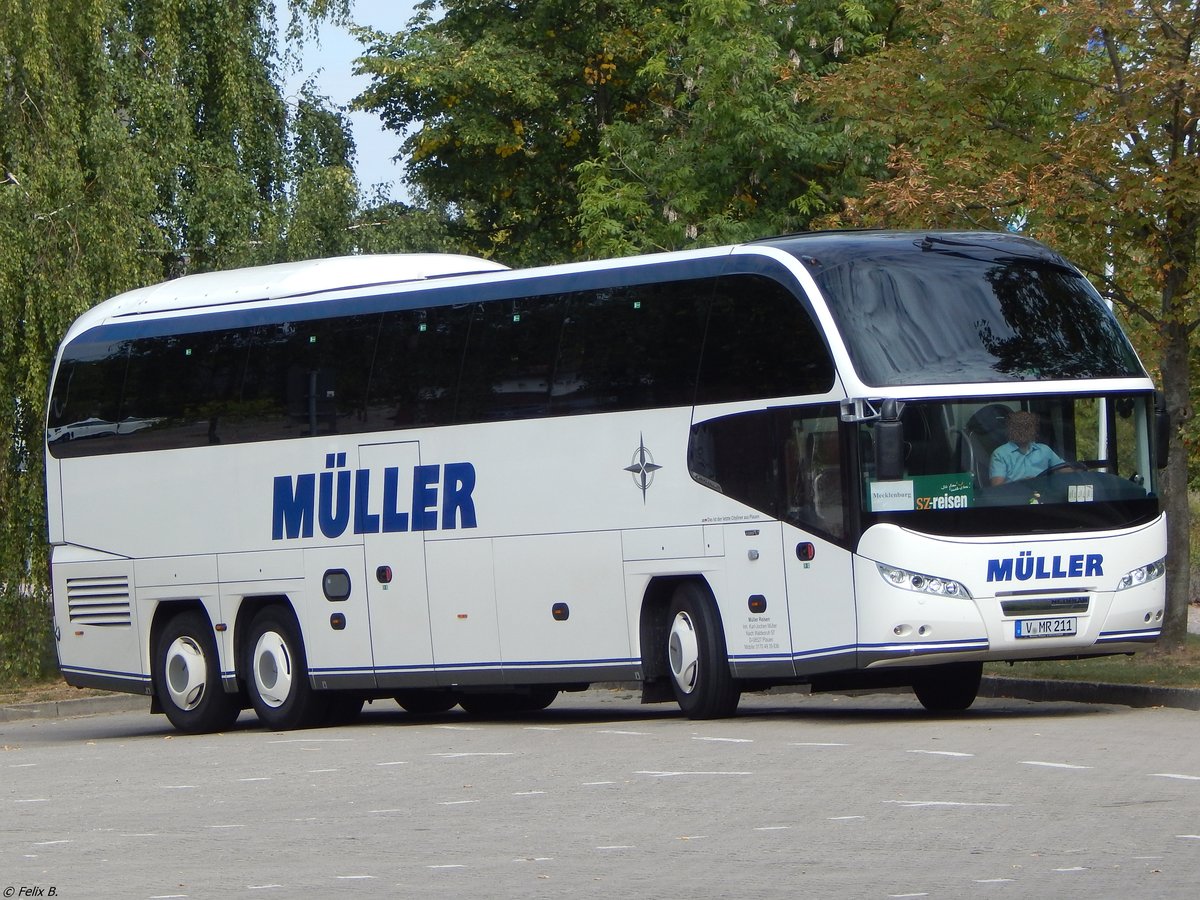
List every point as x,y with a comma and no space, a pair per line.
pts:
1012,464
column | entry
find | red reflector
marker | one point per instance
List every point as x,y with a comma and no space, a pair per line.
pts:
384,574
805,552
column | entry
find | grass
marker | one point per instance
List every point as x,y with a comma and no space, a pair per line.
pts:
51,688
1167,668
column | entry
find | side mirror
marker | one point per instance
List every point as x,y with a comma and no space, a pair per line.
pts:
889,443
1162,432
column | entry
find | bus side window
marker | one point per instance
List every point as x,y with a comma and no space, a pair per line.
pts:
823,457
413,376
508,367
785,463
761,342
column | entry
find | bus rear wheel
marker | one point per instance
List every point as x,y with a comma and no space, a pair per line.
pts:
696,656
187,676
277,673
949,688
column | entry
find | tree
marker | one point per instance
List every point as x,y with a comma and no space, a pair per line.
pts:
138,140
726,146
73,181
555,129
503,101
1074,122
321,188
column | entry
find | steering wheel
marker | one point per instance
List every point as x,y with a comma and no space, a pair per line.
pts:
1062,467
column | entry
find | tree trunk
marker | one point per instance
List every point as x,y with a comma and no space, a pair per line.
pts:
1176,376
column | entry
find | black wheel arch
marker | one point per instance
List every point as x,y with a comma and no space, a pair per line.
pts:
653,627
164,612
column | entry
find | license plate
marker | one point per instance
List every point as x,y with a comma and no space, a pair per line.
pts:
1063,626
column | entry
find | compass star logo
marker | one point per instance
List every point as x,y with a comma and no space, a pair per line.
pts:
643,467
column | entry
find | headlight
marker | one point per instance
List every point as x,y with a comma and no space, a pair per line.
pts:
1143,574
922,584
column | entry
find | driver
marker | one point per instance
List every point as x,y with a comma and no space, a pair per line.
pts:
1022,457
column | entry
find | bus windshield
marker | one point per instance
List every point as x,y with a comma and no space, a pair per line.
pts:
957,309
989,465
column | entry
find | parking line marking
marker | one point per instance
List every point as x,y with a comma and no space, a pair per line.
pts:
1051,765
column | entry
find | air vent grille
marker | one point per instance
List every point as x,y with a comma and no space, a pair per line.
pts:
102,600
1039,605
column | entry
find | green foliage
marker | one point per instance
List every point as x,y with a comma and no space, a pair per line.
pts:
1177,665
322,192
385,226
1074,122
139,140
504,100
728,147
551,129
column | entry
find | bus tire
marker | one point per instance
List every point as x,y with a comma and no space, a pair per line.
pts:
276,673
696,655
949,688
426,703
187,676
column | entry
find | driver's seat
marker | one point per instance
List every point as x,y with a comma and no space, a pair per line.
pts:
986,430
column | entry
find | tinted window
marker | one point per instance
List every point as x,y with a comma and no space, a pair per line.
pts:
509,368
415,369
761,342
631,347
916,310
786,463
606,349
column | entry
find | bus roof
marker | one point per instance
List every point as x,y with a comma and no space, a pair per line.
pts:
288,280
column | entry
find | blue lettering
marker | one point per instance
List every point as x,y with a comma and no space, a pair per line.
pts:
425,498
339,497
457,484
393,519
365,522
292,507
1026,566
333,507
1000,570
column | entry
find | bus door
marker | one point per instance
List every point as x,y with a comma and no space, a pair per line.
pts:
397,592
819,572
820,587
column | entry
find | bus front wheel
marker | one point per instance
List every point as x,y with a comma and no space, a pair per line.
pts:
697,658
948,688
277,673
187,676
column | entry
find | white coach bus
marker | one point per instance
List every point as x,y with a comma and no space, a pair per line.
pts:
430,478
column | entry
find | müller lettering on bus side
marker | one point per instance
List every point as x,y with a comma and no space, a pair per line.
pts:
333,498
